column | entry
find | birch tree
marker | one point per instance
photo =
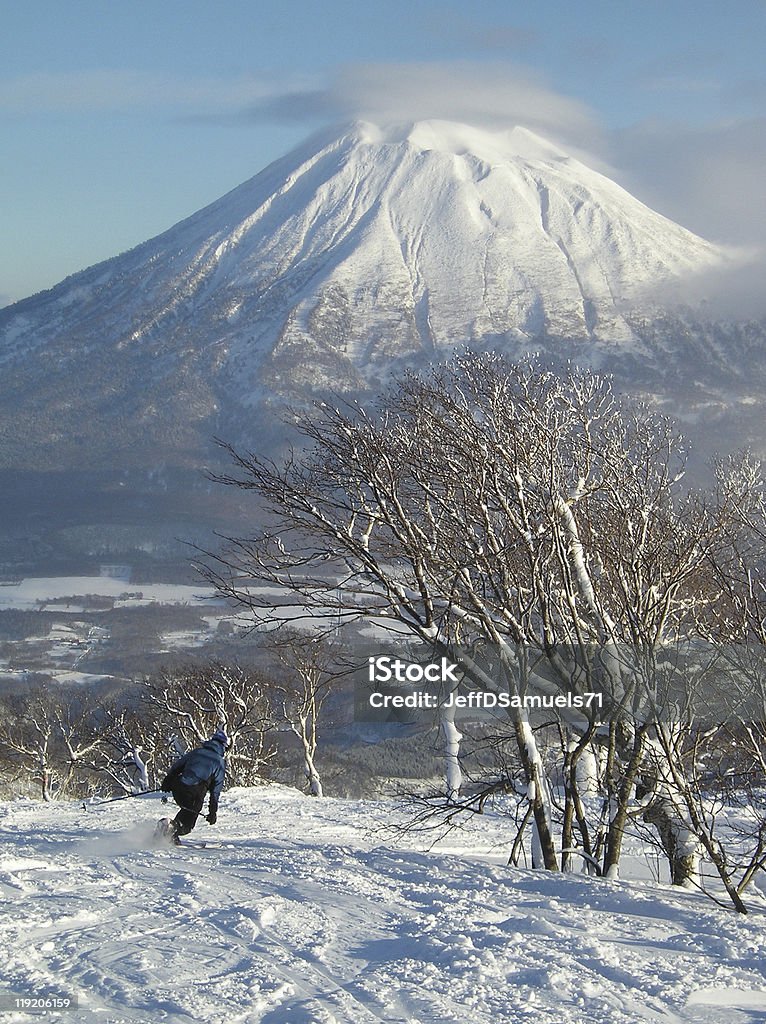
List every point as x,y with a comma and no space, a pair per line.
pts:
49,736
307,666
497,503
28,742
735,627
129,741
190,703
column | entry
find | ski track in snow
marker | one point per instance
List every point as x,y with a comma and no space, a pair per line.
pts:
300,912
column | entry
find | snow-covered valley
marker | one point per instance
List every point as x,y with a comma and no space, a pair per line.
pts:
304,911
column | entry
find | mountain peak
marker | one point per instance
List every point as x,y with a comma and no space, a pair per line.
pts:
365,246
459,139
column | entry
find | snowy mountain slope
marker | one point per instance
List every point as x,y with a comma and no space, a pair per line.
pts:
365,250
379,240
303,913
362,246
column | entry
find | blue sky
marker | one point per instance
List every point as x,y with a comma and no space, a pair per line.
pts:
118,120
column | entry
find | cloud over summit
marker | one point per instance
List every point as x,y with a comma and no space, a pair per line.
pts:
492,95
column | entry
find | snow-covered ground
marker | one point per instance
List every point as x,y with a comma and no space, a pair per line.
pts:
303,911
33,593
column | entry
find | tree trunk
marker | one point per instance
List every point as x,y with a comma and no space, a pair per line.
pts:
543,848
311,773
46,783
619,819
579,776
680,845
306,733
452,737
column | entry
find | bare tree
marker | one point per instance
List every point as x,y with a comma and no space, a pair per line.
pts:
497,503
130,738
309,667
48,737
27,741
735,628
191,703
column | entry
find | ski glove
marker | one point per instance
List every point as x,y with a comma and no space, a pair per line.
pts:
212,817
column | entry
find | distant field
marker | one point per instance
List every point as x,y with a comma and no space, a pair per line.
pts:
74,593
96,628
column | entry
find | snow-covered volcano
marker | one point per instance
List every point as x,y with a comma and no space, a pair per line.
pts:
362,249
374,243
369,244
380,242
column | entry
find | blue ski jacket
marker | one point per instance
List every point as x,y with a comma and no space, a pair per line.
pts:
204,764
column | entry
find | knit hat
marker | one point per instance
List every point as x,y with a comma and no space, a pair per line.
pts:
221,737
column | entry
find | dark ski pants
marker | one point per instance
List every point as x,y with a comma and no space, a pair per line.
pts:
190,799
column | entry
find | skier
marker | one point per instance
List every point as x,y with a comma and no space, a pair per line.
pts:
196,773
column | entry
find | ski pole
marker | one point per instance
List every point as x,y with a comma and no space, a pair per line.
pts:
126,796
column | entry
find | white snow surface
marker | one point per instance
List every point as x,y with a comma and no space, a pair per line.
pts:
302,911
33,592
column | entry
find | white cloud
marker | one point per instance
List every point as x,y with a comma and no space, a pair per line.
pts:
479,93
710,178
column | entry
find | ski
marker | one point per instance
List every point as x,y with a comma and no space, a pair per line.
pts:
205,844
